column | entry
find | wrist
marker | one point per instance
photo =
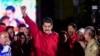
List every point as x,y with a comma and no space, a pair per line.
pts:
24,14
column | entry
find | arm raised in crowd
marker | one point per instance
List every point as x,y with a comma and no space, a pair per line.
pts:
32,25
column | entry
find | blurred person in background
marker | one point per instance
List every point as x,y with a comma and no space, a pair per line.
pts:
25,47
5,20
13,21
98,40
91,48
25,30
81,39
16,46
5,49
29,41
80,33
3,25
11,32
98,36
72,46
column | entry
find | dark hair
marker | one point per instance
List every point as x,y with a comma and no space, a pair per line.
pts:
3,18
21,25
21,34
2,24
10,8
9,27
92,31
73,25
10,36
47,20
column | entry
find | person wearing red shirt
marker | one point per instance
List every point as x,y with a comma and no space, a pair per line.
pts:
72,36
73,48
45,41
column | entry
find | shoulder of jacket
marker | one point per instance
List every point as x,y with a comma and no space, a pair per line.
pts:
55,33
94,46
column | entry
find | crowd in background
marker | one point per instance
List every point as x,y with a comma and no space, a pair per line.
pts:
20,42
33,42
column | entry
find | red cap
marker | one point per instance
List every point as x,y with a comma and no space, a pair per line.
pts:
2,29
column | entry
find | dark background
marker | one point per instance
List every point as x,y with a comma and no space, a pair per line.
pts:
64,12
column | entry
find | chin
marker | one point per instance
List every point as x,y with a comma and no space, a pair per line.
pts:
47,32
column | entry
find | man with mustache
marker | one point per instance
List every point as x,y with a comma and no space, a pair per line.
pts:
45,41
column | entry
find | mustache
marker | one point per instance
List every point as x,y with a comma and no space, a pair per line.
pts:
47,30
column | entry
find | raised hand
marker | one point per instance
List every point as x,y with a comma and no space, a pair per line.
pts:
23,10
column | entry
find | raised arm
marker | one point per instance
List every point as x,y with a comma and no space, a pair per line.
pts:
32,25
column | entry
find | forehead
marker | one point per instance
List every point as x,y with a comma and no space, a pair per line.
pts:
9,10
70,27
10,28
3,33
86,31
46,23
23,28
6,19
22,36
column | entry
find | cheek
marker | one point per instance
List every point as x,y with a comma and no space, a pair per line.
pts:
86,36
15,38
49,28
23,40
44,28
21,30
3,41
26,31
70,30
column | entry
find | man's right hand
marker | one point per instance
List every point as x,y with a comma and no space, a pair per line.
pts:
23,10
65,38
83,45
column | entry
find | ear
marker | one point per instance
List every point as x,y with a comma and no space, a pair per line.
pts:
52,26
42,26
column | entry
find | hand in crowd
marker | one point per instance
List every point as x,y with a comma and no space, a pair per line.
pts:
82,44
65,37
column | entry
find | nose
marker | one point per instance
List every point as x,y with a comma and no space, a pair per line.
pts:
47,28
